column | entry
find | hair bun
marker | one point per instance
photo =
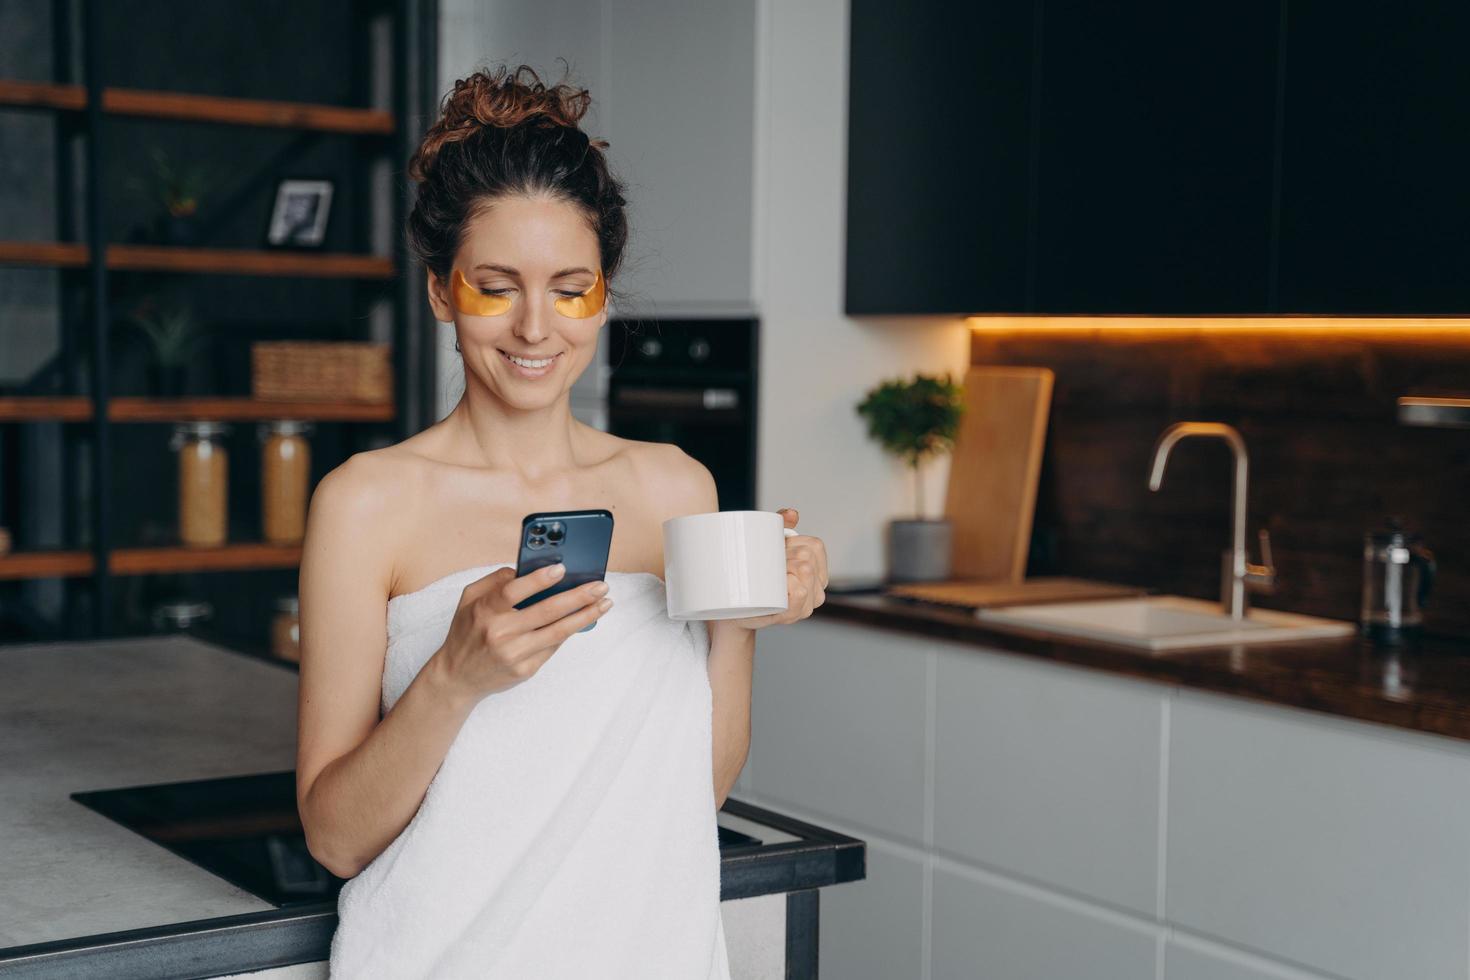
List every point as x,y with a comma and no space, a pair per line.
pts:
504,99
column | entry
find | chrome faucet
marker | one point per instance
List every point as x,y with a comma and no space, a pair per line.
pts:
1237,574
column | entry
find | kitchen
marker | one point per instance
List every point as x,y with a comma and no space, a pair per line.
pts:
1245,217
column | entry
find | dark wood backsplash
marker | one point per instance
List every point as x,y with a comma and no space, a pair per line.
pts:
1328,459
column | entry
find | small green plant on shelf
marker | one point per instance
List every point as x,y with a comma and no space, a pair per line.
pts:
174,337
177,190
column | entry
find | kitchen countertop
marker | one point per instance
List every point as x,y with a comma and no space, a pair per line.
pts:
1425,688
82,893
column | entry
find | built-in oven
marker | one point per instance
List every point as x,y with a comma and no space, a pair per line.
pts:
691,382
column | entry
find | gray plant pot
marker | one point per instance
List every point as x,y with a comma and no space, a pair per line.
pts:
919,551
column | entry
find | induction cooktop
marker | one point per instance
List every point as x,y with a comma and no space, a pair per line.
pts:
244,829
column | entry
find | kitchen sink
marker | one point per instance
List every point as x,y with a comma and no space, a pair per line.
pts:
1163,622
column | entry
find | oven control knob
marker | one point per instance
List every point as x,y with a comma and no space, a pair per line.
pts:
699,350
649,347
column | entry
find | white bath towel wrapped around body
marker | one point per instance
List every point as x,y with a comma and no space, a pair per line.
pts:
570,832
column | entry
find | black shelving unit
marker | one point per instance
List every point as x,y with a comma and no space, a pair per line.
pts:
78,29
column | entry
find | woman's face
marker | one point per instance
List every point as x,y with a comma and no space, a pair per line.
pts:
530,252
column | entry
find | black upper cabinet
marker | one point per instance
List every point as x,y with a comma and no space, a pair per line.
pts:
1155,162
938,156
1160,157
1375,192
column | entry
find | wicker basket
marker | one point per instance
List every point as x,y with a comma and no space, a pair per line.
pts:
293,370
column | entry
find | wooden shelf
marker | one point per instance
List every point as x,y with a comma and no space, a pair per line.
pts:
229,557
39,408
63,255
244,410
45,564
201,108
35,409
223,261
244,556
248,262
42,95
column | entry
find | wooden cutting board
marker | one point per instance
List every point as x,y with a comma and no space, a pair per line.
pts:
976,595
994,469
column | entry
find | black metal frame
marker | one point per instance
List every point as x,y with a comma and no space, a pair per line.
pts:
97,274
415,57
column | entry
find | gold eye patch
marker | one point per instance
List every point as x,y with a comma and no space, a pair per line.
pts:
588,304
471,302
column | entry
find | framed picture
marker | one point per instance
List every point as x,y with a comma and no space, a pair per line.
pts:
299,216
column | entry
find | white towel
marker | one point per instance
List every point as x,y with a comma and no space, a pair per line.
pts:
570,832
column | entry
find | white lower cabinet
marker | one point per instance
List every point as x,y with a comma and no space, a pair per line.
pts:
1051,775
838,719
873,929
986,928
1294,845
1336,845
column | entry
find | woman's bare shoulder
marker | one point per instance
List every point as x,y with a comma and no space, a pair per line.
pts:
372,483
361,513
387,476
684,484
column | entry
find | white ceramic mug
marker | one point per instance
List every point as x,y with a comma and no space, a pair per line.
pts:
725,564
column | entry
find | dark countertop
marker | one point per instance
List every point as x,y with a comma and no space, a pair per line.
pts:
1424,688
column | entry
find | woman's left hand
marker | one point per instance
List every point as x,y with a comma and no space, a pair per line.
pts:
806,578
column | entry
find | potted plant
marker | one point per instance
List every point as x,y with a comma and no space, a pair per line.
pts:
177,190
915,420
173,334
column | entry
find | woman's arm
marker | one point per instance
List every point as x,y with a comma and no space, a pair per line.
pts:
731,664
731,647
732,641
359,781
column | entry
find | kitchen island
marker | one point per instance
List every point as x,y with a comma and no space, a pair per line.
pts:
85,896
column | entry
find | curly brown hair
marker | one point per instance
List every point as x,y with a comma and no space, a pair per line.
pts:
505,132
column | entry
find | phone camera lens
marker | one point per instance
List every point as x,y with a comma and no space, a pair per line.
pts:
538,529
555,534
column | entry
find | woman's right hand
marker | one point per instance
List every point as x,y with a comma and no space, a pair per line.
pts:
492,645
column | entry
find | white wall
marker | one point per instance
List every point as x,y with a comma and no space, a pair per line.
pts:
817,363
641,61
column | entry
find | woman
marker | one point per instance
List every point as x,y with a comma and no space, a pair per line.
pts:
510,798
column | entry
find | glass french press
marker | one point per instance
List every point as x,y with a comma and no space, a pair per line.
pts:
1398,574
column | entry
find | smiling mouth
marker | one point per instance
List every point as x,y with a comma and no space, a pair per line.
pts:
526,370
528,358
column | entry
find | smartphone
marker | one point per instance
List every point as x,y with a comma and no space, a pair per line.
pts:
579,539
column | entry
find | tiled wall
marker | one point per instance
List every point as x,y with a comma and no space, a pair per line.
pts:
1316,403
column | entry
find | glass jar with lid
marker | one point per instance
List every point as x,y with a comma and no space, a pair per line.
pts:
286,628
203,482
285,471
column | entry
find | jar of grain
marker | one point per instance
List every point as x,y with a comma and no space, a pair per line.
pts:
285,470
286,629
203,482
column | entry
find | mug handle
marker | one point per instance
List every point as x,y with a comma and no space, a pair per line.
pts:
791,532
